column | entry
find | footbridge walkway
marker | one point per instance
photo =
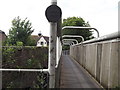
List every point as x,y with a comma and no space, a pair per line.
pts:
92,64
75,76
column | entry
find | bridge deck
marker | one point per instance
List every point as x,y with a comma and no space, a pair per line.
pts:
74,76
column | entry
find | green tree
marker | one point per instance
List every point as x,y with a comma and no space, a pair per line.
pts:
77,21
20,31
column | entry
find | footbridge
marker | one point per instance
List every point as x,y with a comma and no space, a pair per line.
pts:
93,63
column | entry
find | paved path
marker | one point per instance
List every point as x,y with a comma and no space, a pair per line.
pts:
74,76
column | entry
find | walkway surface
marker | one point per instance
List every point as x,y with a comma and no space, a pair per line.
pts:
74,76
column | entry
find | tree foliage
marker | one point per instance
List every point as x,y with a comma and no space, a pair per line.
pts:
77,21
20,32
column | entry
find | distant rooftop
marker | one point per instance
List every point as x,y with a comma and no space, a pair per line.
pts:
36,37
2,32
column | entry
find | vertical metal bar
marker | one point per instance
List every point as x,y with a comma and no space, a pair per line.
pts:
59,27
0,60
52,54
57,52
119,43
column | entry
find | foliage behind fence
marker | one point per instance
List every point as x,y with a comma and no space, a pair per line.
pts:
24,58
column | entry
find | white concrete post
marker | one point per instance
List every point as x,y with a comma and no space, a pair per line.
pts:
54,2
52,50
52,54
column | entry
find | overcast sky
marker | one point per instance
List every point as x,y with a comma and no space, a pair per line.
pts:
101,14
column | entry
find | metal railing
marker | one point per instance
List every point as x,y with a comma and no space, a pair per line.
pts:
73,36
71,40
45,71
26,70
103,38
79,27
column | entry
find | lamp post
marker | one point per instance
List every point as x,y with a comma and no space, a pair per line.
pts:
53,14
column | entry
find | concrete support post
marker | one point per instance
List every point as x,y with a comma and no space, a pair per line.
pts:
54,2
53,17
52,54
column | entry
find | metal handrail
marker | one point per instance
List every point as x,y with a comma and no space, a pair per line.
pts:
68,43
103,38
27,70
21,70
73,36
79,27
70,40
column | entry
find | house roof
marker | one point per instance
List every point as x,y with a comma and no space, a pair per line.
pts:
36,38
2,35
46,38
2,32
